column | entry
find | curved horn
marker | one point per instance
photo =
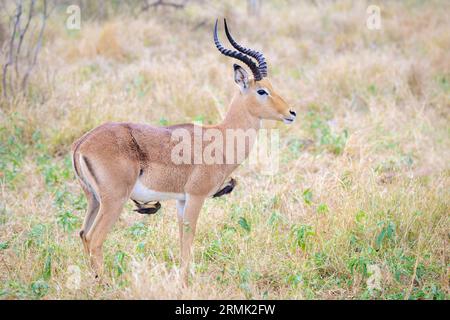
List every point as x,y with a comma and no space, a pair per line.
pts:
262,65
237,55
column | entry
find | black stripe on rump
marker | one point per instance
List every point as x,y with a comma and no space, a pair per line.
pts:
90,169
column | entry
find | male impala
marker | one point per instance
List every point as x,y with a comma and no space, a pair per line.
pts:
118,161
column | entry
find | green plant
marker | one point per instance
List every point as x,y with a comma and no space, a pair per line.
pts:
47,269
325,136
12,152
301,234
68,221
307,196
244,224
4,245
36,235
138,230
322,208
358,263
387,232
39,288
119,262
294,279
275,218
219,247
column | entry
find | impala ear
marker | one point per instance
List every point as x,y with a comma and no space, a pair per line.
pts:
241,77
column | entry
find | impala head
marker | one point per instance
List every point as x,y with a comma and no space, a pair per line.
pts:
256,93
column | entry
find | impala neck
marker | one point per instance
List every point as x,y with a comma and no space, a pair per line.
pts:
238,117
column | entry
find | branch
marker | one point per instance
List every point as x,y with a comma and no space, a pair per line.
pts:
11,49
162,3
38,47
22,34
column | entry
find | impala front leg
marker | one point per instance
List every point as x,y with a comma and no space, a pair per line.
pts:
180,210
191,211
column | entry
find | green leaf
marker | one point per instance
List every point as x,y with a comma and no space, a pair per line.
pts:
163,122
119,262
360,216
372,89
68,221
47,272
138,230
274,218
294,279
36,235
244,224
380,237
322,208
199,119
388,232
140,247
301,234
4,245
39,288
307,196
358,264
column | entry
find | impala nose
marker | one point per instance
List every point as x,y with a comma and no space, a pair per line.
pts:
291,118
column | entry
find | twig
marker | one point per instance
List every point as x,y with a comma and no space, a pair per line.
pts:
11,49
158,3
38,47
22,34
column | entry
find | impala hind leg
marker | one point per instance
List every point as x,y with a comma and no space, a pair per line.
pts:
108,214
111,187
92,210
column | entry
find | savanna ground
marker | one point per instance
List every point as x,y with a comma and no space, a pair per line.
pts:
359,208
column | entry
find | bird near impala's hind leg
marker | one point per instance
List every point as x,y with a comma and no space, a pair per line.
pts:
150,207
226,188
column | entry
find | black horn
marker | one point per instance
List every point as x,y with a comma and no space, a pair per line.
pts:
262,65
237,55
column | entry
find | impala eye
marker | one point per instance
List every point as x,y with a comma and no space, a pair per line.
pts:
262,92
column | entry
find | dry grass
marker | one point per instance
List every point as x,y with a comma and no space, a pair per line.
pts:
364,173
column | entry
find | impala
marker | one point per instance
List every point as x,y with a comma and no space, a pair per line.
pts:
119,161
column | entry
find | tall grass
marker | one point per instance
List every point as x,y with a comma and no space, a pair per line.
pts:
359,208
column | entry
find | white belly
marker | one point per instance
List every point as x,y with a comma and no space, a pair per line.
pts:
143,194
